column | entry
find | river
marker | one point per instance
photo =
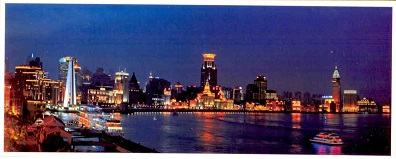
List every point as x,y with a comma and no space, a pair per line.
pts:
258,133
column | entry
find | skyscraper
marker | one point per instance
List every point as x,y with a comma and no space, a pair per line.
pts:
208,70
336,89
261,83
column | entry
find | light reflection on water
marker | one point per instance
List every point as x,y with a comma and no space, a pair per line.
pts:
327,149
261,133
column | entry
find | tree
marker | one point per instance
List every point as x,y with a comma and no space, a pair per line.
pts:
53,143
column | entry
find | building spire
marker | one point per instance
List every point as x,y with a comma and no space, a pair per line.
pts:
336,74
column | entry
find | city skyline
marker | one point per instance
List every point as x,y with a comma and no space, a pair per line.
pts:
169,41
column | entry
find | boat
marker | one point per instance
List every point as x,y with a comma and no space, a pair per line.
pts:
113,127
327,138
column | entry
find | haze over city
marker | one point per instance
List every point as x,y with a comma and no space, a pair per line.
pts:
296,48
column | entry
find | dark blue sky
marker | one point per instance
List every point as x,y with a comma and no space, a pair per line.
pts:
297,48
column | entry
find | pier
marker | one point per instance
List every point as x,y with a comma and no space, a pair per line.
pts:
86,137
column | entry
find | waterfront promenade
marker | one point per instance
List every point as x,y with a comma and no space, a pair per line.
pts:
129,111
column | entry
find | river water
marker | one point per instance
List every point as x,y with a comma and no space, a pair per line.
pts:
258,133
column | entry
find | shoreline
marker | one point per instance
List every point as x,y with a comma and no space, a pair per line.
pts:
129,111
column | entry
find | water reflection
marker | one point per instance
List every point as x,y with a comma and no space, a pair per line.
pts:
296,119
326,149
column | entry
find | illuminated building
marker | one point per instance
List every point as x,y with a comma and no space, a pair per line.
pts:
261,83
100,95
25,80
155,91
167,96
222,102
336,89
367,105
350,101
272,103
296,105
53,92
228,92
271,95
326,104
134,90
208,70
33,86
121,87
237,94
386,109
275,105
207,100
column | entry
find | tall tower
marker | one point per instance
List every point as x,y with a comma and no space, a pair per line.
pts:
208,70
70,85
336,89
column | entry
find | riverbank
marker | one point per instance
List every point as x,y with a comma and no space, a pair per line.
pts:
131,111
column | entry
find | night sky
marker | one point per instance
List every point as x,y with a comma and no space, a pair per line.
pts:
296,48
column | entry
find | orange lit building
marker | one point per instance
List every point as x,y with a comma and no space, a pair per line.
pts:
296,105
325,106
367,105
100,95
386,109
350,101
121,87
275,104
207,100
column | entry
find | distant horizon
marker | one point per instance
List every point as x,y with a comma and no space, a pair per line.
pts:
296,48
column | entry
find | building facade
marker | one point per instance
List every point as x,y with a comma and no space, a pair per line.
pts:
367,105
121,87
350,101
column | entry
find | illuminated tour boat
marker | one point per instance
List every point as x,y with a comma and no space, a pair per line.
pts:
327,138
